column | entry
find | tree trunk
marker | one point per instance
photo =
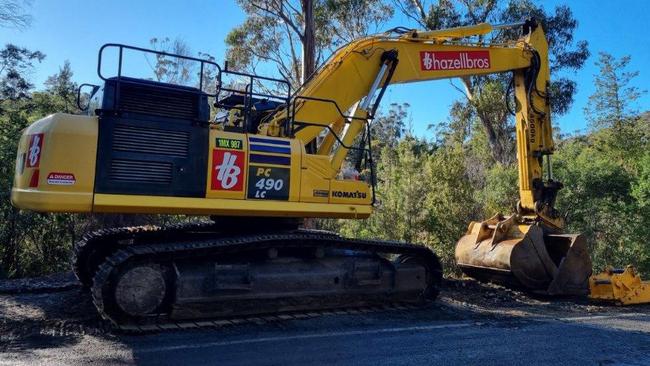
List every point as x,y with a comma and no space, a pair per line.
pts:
497,138
308,46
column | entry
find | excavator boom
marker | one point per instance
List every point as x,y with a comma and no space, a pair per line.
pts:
528,249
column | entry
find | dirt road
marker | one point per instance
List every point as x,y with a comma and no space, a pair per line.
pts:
470,323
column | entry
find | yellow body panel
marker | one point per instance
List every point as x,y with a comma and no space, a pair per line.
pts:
63,159
315,188
534,130
67,144
229,207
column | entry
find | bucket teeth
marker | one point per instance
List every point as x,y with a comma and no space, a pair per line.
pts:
505,251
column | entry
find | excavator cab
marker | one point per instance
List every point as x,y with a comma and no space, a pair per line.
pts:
232,110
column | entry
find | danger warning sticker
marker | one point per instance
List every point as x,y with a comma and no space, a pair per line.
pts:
61,179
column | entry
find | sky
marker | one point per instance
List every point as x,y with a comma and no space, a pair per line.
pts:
74,30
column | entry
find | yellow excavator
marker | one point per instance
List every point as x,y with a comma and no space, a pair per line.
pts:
266,162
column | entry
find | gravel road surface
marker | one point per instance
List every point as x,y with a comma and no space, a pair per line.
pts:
469,324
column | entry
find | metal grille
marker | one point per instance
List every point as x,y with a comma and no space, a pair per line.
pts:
140,171
163,102
151,141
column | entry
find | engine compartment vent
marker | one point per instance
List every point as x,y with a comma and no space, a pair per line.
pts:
140,171
151,141
164,102
154,99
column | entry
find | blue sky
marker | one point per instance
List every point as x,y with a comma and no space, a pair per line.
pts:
75,29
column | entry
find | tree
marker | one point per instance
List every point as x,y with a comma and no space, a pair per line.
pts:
450,202
15,88
13,15
172,70
388,128
31,243
62,90
485,95
400,212
616,123
612,103
273,33
424,196
598,197
641,187
309,41
501,193
181,71
15,62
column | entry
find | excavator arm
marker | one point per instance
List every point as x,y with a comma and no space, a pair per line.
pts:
355,77
525,248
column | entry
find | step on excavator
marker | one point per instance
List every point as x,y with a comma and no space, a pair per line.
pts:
266,161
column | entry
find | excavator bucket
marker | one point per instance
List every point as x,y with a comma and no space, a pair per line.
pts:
624,286
508,252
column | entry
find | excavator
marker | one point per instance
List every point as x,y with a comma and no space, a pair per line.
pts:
264,163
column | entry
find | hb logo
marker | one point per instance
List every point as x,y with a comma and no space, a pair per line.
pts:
227,168
34,150
228,172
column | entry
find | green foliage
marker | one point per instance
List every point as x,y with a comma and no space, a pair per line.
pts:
500,192
14,63
31,243
450,202
641,186
428,192
423,196
612,104
612,112
389,128
398,213
600,201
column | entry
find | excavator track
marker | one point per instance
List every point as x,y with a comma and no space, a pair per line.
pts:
220,323
166,263
94,247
